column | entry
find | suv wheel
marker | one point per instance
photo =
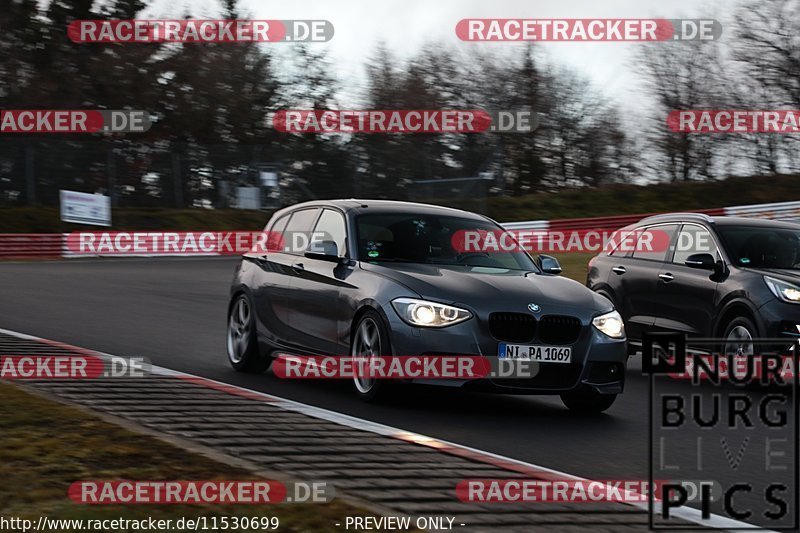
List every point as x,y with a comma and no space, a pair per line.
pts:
738,336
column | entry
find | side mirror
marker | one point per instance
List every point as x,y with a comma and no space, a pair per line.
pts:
324,251
703,261
549,264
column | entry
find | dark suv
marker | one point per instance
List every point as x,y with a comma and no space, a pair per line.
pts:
729,277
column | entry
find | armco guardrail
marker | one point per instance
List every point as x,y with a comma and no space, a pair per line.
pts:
779,211
593,223
528,224
50,245
612,222
786,211
31,245
54,246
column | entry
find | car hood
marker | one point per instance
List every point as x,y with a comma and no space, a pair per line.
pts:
785,274
494,289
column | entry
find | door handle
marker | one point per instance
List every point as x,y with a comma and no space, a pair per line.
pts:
298,267
618,270
667,277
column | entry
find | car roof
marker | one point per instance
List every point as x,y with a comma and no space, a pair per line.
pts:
364,206
719,220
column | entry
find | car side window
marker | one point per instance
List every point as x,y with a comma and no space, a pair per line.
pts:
693,240
331,228
298,230
653,243
280,225
274,233
625,241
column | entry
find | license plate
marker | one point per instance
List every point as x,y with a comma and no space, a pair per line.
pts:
540,354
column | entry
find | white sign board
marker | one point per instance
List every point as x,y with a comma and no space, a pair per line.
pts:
268,179
83,208
248,198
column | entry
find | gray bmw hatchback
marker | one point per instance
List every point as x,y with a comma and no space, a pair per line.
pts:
386,279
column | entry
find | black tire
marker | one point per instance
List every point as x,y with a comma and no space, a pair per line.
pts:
378,389
586,400
738,332
241,340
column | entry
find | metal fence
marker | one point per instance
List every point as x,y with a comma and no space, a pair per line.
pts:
163,174
183,174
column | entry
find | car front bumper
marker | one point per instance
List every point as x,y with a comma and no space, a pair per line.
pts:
598,361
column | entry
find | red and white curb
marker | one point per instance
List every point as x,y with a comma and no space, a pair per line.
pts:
540,472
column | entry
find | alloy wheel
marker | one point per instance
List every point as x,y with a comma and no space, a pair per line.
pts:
239,330
366,343
739,342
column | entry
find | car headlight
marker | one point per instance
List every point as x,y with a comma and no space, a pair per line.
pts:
610,324
429,314
783,290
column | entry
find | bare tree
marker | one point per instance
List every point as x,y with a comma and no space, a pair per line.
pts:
679,76
767,53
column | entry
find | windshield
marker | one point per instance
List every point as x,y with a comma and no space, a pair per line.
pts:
759,247
415,238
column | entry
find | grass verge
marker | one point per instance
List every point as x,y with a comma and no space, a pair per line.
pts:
574,265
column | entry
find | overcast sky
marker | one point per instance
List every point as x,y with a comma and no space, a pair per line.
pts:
404,25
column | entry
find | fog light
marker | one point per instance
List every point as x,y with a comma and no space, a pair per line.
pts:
605,372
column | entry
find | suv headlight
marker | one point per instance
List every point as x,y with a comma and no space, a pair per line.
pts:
783,290
429,314
610,324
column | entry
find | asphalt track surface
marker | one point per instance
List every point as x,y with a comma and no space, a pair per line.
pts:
172,311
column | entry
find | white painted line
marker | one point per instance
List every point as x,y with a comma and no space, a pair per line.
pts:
686,513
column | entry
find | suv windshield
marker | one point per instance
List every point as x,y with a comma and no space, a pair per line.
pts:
760,247
418,238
